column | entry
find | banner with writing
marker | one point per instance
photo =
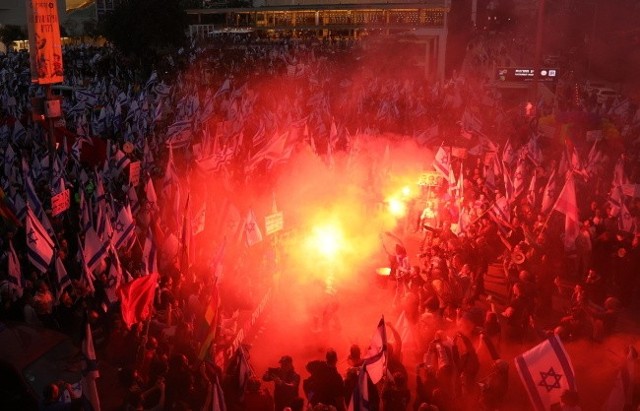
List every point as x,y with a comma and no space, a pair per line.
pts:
45,49
60,202
134,173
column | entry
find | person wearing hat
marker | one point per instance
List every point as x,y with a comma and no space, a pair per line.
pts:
287,383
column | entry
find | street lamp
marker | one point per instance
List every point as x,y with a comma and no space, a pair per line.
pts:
538,51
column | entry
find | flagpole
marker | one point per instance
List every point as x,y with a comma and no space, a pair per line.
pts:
484,212
145,338
52,138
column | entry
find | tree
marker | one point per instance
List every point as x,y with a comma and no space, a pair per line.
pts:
146,29
11,33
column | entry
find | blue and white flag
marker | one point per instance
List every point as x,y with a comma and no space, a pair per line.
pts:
501,211
360,396
15,274
152,198
32,196
375,359
90,367
78,109
4,133
103,222
122,99
39,244
518,180
63,280
99,193
87,277
99,123
95,250
178,127
86,96
549,194
625,219
215,397
150,254
90,370
19,133
568,205
546,372
429,136
508,153
442,163
9,158
114,278
123,227
153,79
133,113
253,235
157,112
179,140
224,88
117,117
19,207
162,89
122,161
132,195
76,150
374,367
58,170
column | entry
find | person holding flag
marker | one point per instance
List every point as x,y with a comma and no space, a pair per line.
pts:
287,383
365,396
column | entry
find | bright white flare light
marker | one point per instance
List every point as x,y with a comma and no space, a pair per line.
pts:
327,239
396,207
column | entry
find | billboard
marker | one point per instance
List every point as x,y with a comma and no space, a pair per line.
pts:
45,49
519,74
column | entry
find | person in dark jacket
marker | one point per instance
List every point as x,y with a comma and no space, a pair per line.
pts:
287,382
325,385
395,394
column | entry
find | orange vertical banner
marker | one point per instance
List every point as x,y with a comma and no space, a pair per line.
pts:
45,48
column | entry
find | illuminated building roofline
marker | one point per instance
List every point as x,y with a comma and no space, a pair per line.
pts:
430,5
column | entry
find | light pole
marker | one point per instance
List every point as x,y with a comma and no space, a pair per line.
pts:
474,13
538,51
592,36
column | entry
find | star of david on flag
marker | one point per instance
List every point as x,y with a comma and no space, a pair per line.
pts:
124,227
118,226
546,372
253,235
40,245
442,163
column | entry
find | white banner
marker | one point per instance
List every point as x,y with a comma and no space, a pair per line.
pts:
274,223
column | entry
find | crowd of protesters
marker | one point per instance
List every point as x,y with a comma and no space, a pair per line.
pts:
223,88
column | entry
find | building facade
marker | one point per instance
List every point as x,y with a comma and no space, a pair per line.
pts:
425,21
